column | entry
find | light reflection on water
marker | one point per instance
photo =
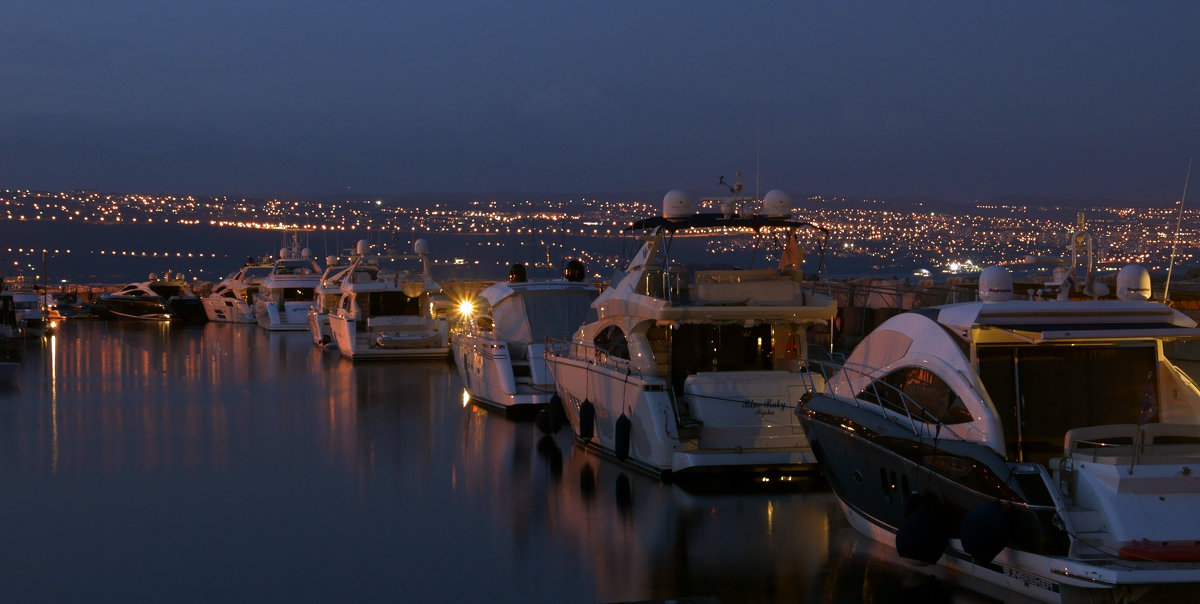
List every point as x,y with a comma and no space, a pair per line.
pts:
224,462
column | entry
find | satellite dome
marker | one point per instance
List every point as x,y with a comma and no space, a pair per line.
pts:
421,247
995,284
1133,283
777,204
677,204
305,253
284,254
363,247
331,261
575,271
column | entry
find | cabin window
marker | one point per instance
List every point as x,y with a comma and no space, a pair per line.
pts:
612,340
928,397
297,294
388,304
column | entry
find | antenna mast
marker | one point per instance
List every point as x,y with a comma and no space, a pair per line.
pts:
1175,240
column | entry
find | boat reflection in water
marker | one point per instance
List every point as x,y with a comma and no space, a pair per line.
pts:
220,463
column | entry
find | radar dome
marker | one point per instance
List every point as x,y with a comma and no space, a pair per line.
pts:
363,247
575,271
284,254
777,204
516,273
677,204
305,253
421,247
1133,283
995,284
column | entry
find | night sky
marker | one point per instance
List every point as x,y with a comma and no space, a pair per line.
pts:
955,101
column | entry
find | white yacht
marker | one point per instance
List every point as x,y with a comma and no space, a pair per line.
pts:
386,310
692,368
1042,446
285,295
500,346
232,300
328,293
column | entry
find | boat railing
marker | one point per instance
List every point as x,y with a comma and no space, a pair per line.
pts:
854,383
593,355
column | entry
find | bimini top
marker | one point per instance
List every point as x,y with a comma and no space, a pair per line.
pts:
1068,320
716,220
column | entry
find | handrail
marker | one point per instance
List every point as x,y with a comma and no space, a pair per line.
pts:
596,356
843,371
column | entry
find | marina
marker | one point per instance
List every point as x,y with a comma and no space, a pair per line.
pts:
223,462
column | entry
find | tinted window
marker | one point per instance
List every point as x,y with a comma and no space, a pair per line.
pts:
926,395
612,341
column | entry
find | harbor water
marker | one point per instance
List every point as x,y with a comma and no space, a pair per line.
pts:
147,462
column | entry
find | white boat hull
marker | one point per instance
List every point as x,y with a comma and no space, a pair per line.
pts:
227,310
747,431
354,343
487,371
290,316
318,325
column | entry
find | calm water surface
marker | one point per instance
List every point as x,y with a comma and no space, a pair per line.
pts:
144,462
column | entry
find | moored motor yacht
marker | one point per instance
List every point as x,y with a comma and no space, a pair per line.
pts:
328,293
500,347
386,310
285,295
232,300
1044,446
156,299
691,368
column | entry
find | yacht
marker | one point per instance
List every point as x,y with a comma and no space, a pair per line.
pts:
157,299
500,347
10,341
694,368
328,293
285,295
386,310
29,314
1043,446
232,300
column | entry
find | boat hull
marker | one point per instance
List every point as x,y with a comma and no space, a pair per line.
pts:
736,437
356,344
226,310
875,471
285,316
490,375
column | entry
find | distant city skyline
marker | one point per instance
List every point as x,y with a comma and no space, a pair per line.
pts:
944,101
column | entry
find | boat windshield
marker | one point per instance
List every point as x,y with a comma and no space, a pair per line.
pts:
387,304
256,273
167,291
1040,392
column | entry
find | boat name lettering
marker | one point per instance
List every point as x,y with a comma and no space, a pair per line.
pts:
766,406
1029,578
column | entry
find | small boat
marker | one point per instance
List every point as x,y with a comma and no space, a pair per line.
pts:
156,299
500,348
1044,446
232,300
695,369
386,309
285,294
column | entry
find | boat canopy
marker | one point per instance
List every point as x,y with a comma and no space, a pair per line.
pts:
532,315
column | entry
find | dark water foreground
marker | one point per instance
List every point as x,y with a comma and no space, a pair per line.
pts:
223,463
